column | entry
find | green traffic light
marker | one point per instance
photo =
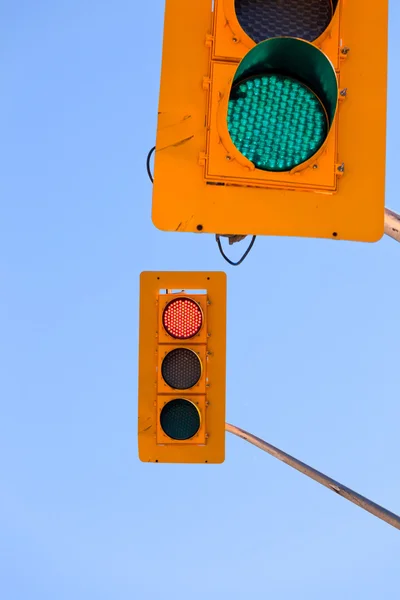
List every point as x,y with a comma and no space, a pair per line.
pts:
282,103
276,121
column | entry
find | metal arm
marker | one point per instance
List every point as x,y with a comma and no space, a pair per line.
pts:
331,484
392,224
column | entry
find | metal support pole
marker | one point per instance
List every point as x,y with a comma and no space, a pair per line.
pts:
392,224
331,484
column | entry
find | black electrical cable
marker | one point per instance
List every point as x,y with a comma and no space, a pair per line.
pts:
149,173
235,264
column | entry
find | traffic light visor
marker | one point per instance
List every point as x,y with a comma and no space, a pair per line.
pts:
282,103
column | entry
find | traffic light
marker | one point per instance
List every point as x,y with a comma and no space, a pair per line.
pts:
182,350
272,118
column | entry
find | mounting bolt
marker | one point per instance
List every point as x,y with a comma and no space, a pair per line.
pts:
228,157
343,92
345,50
315,166
341,168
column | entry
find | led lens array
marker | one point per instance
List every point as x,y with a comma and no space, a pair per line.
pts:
181,368
275,121
182,318
180,419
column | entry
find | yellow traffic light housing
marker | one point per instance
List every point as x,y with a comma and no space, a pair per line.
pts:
182,356
272,118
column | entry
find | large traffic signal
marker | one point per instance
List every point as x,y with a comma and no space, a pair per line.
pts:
272,118
182,349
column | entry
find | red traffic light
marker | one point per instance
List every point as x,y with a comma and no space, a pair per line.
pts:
182,318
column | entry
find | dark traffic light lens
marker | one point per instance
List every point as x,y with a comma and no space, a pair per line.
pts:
180,419
182,318
276,121
181,368
304,19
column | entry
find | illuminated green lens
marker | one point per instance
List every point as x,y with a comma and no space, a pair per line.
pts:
275,121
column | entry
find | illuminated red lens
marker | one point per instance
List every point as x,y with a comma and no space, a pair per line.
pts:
182,318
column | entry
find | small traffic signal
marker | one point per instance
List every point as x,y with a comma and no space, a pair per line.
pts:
272,118
182,349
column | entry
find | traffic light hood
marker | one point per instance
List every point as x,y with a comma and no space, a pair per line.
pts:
294,58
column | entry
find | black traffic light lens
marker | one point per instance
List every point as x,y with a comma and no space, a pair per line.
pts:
304,19
182,318
180,419
181,368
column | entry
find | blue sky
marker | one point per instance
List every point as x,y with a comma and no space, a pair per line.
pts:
313,355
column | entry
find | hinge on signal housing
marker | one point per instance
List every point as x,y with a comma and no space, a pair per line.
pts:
209,40
202,159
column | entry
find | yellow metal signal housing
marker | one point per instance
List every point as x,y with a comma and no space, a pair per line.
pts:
182,355
207,179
